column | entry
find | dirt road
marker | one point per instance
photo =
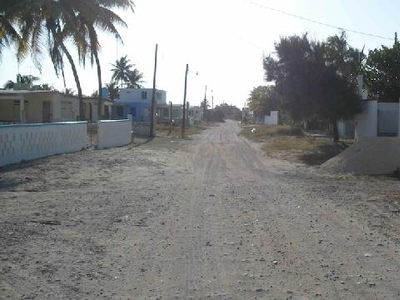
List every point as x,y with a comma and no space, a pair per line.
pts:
207,218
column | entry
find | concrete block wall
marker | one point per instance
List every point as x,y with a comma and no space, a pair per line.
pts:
367,121
30,141
113,133
272,119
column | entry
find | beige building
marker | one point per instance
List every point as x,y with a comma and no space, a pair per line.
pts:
90,109
37,107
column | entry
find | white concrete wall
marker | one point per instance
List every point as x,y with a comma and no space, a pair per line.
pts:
388,119
367,121
398,128
30,141
272,119
114,133
341,124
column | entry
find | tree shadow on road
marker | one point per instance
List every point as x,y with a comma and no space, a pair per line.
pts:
322,154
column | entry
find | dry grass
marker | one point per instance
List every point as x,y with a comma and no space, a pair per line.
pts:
292,144
393,195
262,133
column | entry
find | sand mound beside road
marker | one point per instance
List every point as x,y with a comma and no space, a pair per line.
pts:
371,157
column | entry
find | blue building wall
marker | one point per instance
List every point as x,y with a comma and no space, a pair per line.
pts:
139,111
137,102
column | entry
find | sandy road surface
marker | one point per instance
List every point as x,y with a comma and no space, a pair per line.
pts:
208,218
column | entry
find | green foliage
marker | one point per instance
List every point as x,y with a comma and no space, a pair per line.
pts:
26,82
263,100
227,111
314,79
113,90
48,24
125,74
382,73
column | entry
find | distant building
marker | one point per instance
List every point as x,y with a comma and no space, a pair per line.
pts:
137,102
22,106
90,109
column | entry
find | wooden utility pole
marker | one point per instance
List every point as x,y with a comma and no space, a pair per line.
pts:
187,114
184,104
205,105
170,118
153,118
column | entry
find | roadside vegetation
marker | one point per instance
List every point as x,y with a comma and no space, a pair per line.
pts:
293,144
323,82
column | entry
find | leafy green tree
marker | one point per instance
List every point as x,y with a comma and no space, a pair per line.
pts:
262,100
312,85
229,111
348,61
205,104
290,72
382,72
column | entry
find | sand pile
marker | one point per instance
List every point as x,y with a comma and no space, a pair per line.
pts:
371,156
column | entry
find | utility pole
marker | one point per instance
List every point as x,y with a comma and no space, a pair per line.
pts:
153,99
187,114
170,118
184,104
212,100
205,105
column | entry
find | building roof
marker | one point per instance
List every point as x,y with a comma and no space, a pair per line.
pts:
26,92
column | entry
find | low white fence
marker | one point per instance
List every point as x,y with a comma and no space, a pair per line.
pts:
30,141
114,133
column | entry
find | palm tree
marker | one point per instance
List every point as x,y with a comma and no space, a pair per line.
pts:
8,34
121,70
113,90
57,18
69,92
105,20
135,79
22,82
62,20
125,75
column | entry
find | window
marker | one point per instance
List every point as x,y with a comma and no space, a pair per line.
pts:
158,95
132,111
144,95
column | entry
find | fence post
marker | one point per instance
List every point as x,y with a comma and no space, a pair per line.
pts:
130,117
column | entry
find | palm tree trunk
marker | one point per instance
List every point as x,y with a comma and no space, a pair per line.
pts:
100,96
76,77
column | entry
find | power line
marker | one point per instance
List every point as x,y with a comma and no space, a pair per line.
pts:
318,22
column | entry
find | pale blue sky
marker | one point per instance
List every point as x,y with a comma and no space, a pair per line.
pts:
223,40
